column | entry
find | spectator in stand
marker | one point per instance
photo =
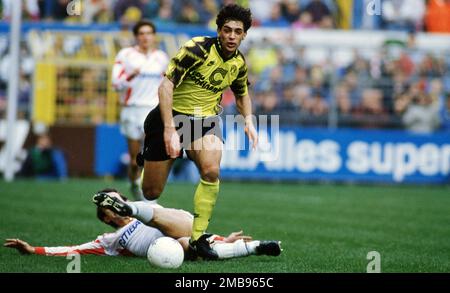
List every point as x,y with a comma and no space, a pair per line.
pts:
165,13
304,21
401,103
370,112
122,8
437,18
316,105
275,19
58,10
96,11
321,14
406,15
261,9
188,13
209,11
290,10
289,102
422,115
436,91
268,103
150,8
343,103
44,161
446,116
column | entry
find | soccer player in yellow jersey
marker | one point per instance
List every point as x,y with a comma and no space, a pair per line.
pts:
190,93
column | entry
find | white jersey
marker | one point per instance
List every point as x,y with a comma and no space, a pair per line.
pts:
142,90
132,239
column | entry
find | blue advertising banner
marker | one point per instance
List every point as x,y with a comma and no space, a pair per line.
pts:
342,155
110,148
384,156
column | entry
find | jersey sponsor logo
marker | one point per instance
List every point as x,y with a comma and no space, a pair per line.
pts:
149,75
127,233
214,79
200,80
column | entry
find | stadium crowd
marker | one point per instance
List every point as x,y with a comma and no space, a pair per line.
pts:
397,85
417,15
381,88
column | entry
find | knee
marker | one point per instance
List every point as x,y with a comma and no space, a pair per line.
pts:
210,173
151,192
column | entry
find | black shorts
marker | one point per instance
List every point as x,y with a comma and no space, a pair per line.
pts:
188,127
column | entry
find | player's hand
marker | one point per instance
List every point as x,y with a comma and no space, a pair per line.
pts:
172,142
20,245
237,236
251,133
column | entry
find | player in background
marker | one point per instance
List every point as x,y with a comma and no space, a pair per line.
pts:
191,93
137,74
135,234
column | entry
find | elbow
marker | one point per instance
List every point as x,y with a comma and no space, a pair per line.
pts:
165,88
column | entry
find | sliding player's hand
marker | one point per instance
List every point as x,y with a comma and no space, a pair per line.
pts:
237,236
20,245
172,142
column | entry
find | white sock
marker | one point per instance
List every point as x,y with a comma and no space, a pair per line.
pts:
238,248
137,182
140,196
142,211
251,246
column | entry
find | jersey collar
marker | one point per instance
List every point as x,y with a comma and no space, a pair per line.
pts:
219,49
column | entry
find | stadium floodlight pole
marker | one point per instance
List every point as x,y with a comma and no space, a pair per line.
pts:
13,86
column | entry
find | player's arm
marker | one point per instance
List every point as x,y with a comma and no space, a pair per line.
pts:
171,137
190,55
244,104
120,78
93,247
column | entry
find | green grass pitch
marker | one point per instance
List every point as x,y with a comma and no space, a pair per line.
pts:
323,228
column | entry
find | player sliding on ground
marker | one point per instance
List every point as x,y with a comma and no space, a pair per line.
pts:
138,224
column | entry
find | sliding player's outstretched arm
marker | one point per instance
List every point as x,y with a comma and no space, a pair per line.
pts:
93,247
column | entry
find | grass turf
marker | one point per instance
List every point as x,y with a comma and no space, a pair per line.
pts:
323,228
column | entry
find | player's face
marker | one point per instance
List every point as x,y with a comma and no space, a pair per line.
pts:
146,37
112,217
231,35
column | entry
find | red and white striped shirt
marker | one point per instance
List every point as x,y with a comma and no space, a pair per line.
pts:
142,90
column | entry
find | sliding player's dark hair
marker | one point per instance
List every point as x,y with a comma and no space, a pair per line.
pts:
234,12
101,214
141,23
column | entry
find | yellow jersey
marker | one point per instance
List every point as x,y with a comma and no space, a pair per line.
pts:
201,73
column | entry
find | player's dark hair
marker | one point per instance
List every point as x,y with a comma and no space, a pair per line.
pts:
141,23
101,214
234,12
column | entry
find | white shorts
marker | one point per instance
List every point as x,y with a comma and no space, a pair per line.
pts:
132,121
